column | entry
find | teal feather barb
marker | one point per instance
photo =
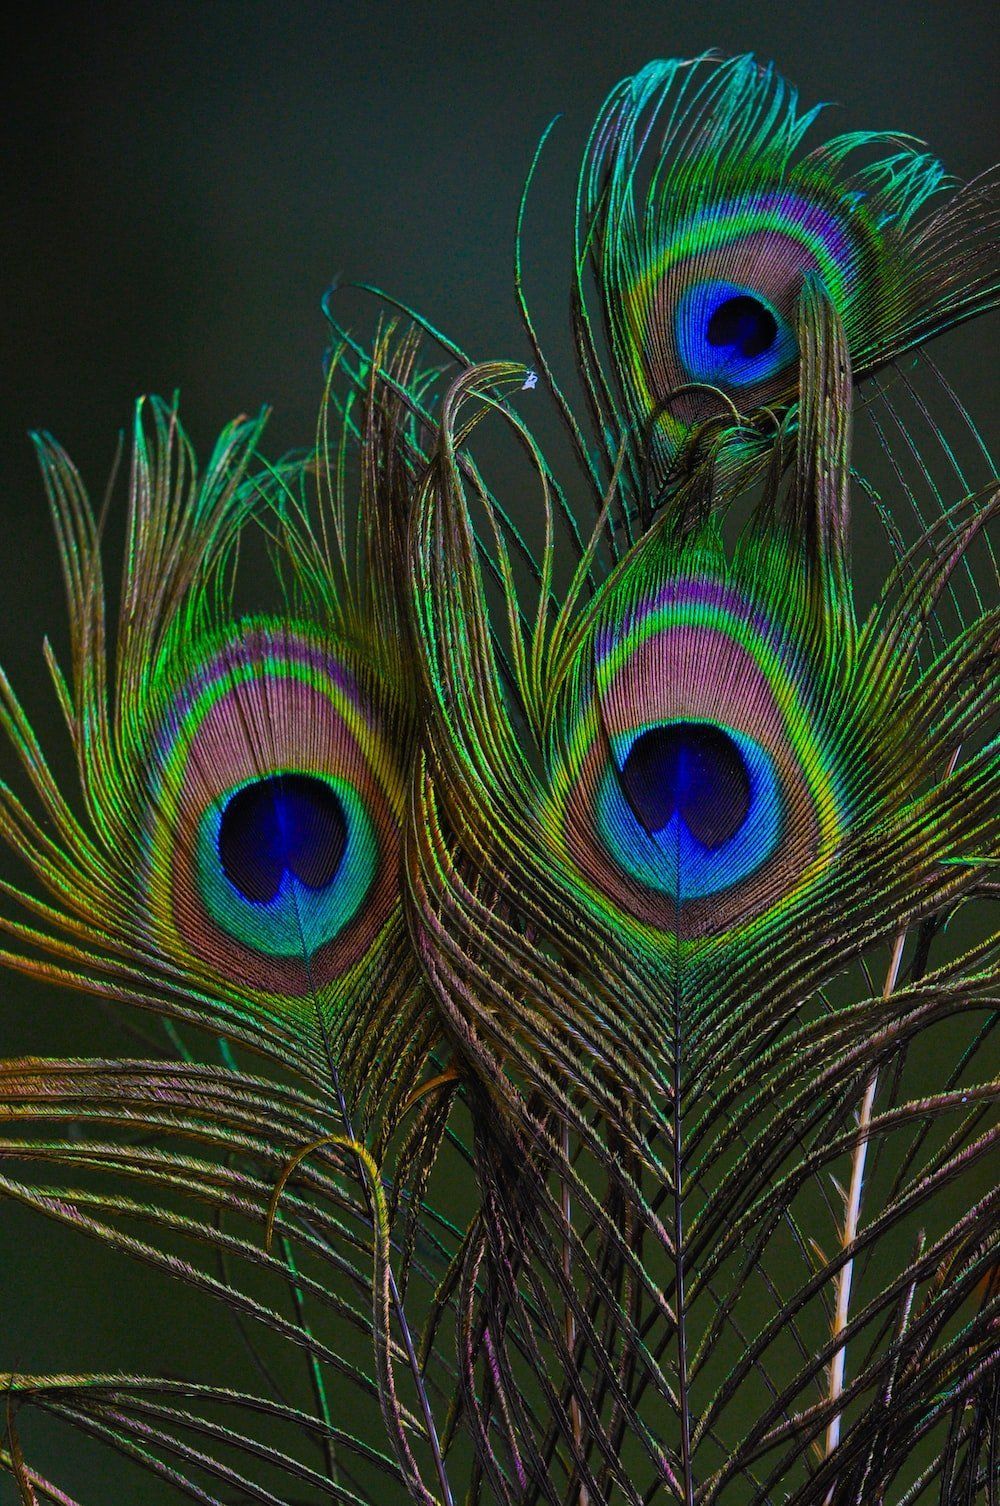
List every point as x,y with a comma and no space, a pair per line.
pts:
610,920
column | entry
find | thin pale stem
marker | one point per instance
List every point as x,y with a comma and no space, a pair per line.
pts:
852,1216
852,1212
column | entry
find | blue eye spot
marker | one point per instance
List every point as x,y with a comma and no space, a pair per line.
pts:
742,327
689,808
286,824
691,770
728,335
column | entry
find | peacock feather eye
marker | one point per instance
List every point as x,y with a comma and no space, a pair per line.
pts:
696,790
728,335
283,827
707,801
274,837
702,216
690,772
715,303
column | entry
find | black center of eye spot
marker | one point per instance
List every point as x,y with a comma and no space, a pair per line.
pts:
744,324
287,823
694,770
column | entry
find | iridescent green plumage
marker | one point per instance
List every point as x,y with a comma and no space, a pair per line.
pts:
678,1075
699,214
201,707
624,1126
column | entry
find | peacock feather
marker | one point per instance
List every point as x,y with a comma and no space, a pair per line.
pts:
566,970
700,212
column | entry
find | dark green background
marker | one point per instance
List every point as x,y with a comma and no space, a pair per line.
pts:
182,183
